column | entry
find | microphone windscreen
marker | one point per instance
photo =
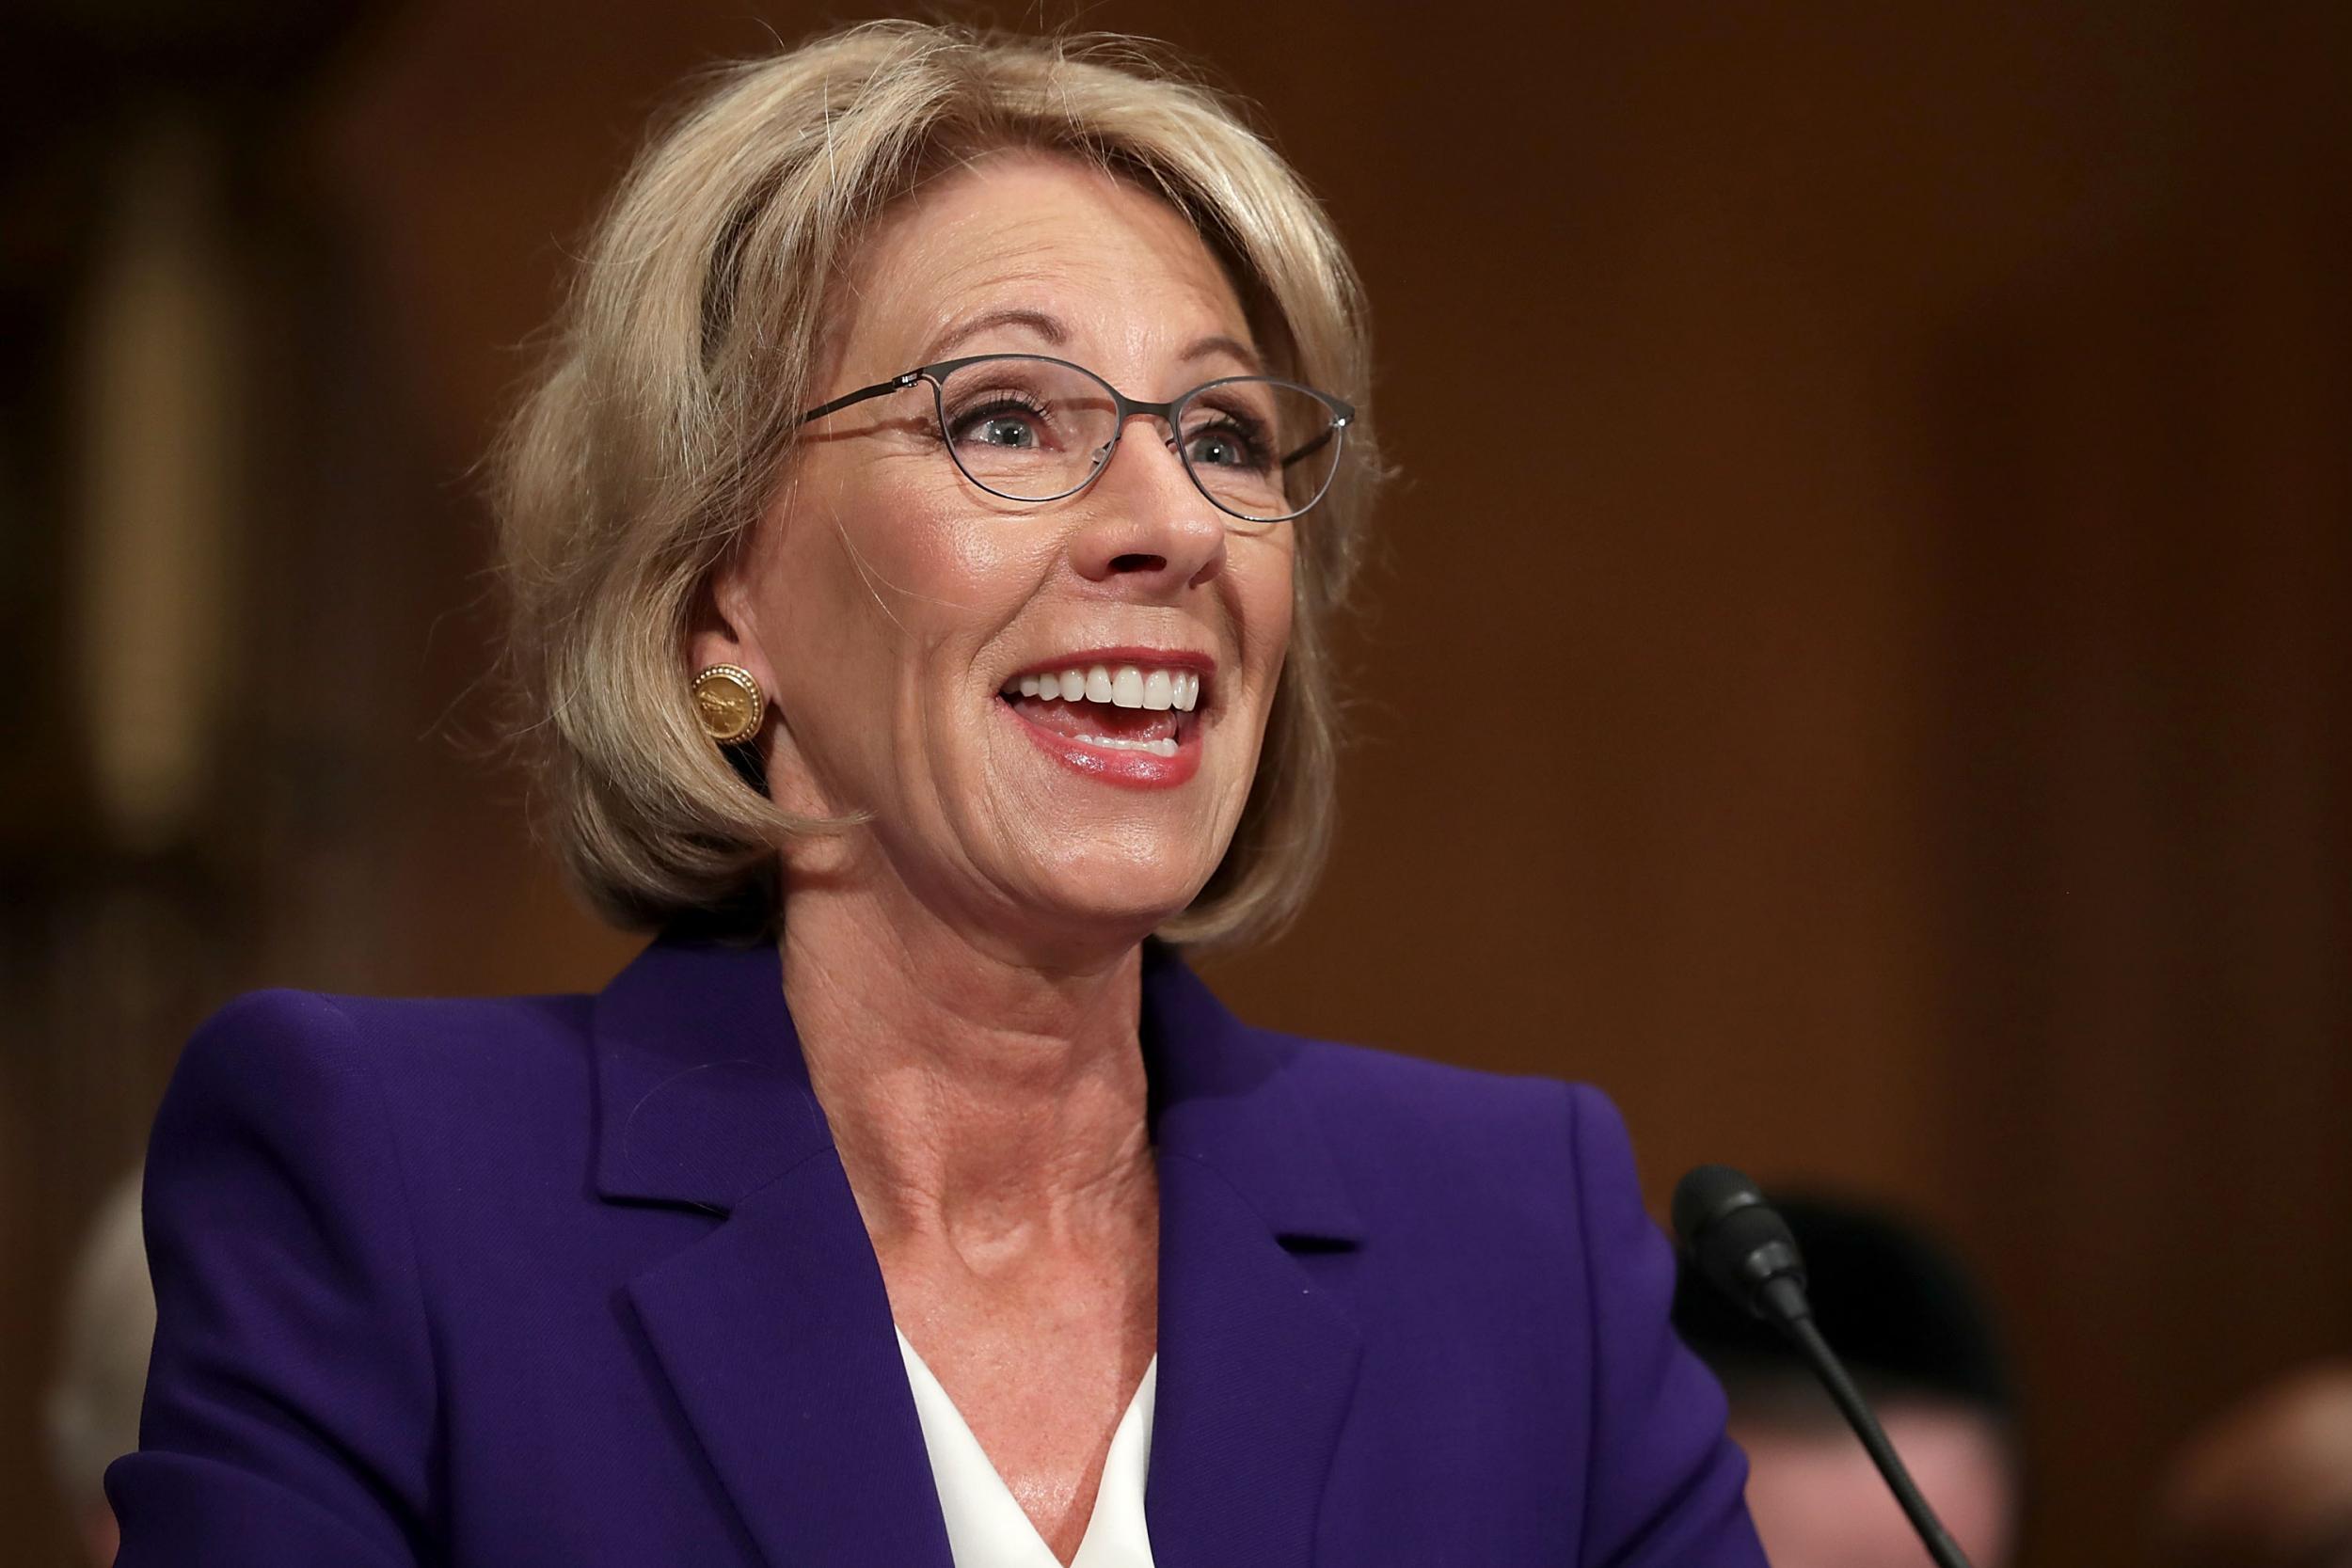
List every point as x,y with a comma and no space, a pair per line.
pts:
1736,1240
1705,1195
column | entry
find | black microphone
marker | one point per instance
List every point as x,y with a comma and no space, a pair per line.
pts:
1746,1250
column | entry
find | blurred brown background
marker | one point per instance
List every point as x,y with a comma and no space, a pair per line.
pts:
1860,664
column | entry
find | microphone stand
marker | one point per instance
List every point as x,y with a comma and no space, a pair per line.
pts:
1807,1339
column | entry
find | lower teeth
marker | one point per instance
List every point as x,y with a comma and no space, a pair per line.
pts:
1157,748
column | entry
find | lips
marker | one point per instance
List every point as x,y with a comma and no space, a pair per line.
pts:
1122,721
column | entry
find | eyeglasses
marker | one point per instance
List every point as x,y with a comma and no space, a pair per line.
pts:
1028,428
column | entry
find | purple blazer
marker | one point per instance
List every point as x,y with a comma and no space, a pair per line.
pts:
578,1281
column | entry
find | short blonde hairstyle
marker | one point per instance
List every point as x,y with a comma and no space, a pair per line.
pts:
666,416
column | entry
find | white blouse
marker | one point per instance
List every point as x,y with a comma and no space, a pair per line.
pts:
986,1527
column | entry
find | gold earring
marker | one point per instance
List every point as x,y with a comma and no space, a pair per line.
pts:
729,702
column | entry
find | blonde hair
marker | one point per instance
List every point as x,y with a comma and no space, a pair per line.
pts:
666,414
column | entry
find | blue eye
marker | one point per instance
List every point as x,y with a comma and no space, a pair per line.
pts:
1216,450
1001,430
1003,422
1225,446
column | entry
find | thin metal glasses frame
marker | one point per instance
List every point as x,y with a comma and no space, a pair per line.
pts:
1169,413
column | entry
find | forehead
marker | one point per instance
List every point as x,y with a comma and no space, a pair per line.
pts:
1118,266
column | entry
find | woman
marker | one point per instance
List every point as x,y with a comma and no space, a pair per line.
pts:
924,539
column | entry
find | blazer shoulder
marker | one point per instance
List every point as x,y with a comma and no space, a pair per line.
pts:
1525,1149
1367,1092
290,1017
431,1057
281,1021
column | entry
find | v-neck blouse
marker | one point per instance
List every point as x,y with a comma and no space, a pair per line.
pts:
986,1527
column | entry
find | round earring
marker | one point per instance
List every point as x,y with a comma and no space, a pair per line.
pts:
729,702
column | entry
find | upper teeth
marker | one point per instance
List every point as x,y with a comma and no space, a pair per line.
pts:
1119,685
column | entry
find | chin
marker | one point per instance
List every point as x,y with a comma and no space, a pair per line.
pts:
1112,901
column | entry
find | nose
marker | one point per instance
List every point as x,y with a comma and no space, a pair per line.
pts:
1148,526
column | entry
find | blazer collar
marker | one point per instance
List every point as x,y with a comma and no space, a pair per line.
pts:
702,1093
703,1097
1223,1095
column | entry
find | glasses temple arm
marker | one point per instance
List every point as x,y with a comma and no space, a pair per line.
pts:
895,384
1312,447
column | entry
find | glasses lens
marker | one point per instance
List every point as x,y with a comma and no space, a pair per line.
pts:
1029,430
1261,450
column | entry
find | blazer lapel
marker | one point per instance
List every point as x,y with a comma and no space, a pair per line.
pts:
1257,1361
773,1329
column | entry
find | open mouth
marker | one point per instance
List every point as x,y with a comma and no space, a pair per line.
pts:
1147,709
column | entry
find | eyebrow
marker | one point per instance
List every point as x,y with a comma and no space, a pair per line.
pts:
1057,336
1045,327
1219,343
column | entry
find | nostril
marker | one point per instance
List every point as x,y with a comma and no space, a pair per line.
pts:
1138,563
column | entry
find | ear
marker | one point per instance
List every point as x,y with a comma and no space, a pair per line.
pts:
726,625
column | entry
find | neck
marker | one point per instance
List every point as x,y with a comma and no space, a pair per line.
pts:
971,1095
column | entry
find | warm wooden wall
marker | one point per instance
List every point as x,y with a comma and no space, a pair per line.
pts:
1859,667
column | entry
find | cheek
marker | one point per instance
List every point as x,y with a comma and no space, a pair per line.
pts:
881,589
1266,598
854,558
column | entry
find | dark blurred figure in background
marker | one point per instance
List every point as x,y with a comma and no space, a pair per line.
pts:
2270,1483
93,1405
1916,1334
